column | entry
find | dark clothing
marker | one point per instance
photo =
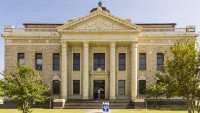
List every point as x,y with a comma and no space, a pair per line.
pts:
95,93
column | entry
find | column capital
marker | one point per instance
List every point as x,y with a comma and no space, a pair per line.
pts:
112,44
134,44
63,41
85,44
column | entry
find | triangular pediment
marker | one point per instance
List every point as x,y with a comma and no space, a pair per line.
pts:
99,20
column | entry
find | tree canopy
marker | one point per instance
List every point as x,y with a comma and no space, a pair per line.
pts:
181,72
24,86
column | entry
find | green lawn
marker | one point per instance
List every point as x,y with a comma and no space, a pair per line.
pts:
149,111
75,111
43,111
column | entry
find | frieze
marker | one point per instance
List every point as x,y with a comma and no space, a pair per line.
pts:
76,49
99,50
122,49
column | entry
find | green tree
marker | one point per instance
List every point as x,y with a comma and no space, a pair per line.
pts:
155,91
1,90
181,73
24,86
169,93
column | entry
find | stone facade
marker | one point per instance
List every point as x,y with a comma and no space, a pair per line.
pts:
97,32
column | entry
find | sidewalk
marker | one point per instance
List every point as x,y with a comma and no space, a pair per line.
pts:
101,111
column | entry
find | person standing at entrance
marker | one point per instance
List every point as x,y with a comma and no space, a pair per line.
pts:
99,93
95,92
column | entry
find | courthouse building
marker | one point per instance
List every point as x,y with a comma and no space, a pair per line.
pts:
96,50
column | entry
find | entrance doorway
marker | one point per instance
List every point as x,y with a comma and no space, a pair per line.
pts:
99,84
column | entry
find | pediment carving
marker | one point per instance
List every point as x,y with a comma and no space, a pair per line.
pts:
99,20
99,71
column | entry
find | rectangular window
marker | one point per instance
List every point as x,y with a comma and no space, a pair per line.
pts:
142,86
38,61
122,61
56,87
76,87
142,61
99,61
21,58
160,60
56,61
76,61
121,87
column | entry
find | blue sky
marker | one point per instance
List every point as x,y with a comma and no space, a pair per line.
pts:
17,12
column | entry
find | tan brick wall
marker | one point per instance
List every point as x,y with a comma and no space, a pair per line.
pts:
47,51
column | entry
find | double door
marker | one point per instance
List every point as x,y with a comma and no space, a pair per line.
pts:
101,85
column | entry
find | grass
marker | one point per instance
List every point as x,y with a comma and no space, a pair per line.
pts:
169,108
43,111
149,111
15,107
74,111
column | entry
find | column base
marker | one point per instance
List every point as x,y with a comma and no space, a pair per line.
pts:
64,97
85,98
58,103
112,98
138,103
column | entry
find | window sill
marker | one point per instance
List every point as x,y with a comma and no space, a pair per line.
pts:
76,94
121,94
55,94
121,70
76,70
142,70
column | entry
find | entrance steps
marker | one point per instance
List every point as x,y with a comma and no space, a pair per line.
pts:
97,104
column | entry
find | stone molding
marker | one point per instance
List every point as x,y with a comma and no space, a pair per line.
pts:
98,14
112,44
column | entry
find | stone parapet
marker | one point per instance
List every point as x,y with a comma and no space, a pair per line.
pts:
58,103
138,103
10,33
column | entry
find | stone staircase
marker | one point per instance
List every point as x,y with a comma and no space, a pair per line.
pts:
95,104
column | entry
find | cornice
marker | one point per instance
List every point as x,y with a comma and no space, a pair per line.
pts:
129,32
32,44
32,38
152,34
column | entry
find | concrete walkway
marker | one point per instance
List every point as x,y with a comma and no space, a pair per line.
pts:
100,110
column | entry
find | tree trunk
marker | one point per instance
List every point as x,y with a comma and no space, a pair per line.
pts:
192,104
188,105
156,103
168,101
24,105
198,105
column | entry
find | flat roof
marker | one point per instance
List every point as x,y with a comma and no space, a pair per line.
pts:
155,23
43,23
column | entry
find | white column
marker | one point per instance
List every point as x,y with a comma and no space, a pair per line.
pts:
85,70
134,71
64,71
112,70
